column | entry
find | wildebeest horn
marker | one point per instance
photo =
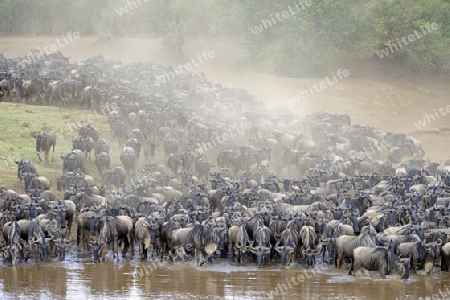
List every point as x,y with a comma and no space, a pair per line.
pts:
439,243
278,247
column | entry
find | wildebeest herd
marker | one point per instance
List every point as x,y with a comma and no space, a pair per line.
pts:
282,190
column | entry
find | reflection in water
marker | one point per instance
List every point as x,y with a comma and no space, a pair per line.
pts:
82,279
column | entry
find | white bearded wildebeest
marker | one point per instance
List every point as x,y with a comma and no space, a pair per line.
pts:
309,241
262,239
238,242
289,241
379,259
203,239
44,142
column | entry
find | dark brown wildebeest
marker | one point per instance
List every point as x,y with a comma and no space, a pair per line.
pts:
44,142
113,230
33,89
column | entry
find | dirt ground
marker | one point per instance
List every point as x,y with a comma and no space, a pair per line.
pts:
384,96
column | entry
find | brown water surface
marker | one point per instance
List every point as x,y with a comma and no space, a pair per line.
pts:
79,278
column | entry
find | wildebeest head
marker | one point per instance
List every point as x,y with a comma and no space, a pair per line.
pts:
27,177
319,226
400,266
222,232
330,249
40,246
10,254
338,213
260,251
60,243
284,251
310,255
435,248
98,250
242,249
276,227
39,140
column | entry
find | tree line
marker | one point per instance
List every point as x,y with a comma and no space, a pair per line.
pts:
291,38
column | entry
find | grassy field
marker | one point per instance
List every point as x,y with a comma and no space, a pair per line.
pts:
20,122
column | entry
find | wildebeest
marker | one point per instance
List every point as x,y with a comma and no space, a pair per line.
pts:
179,243
379,259
262,241
146,232
82,199
102,162
59,243
74,161
88,224
420,254
113,230
11,233
119,130
289,241
116,176
9,253
102,145
345,245
26,171
32,232
203,239
44,142
33,89
309,241
128,158
136,145
40,183
238,242
445,259
83,143
88,131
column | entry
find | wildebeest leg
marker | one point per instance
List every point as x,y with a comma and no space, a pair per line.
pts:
131,244
78,236
414,267
339,258
142,251
197,256
354,267
124,247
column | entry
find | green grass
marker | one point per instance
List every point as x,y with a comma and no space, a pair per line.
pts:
20,122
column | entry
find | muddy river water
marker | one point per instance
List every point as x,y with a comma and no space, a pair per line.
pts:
79,278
